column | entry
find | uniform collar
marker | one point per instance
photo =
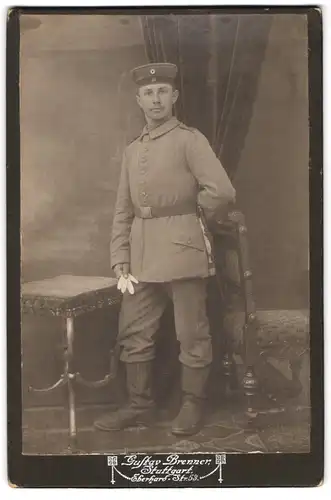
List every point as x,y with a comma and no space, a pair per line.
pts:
161,129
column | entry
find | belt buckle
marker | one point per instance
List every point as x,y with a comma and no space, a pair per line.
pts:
146,212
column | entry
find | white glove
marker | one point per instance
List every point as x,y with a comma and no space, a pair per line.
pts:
126,284
122,284
130,287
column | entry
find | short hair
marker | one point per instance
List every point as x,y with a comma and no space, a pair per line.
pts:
171,84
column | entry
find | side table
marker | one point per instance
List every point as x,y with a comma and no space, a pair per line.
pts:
70,296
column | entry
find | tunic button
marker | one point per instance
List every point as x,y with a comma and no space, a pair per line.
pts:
189,240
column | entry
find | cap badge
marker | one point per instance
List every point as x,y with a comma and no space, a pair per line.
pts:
152,71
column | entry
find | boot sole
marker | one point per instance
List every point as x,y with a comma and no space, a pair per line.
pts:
136,423
186,432
177,432
100,427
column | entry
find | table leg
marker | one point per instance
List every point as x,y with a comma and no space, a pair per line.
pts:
71,390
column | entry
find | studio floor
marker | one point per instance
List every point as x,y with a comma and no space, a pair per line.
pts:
283,427
282,409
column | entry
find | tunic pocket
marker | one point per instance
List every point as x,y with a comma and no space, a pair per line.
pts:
189,242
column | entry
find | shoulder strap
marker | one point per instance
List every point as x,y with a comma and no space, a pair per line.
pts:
133,140
185,127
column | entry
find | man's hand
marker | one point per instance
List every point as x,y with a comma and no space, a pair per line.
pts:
121,270
125,279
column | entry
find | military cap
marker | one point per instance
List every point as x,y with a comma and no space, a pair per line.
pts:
154,73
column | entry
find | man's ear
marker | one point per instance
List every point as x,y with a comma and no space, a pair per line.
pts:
138,98
175,95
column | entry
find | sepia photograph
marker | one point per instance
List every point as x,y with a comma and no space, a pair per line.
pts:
165,237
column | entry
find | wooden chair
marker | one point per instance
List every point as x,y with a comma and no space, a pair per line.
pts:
232,308
245,337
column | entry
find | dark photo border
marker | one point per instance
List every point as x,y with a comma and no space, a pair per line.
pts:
255,470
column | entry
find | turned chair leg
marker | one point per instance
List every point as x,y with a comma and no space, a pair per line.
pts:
250,381
230,373
250,387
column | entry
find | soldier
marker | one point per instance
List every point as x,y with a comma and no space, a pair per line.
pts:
169,177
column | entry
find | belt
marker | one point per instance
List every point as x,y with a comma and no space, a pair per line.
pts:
156,212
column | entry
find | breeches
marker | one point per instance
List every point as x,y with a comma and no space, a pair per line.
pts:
140,319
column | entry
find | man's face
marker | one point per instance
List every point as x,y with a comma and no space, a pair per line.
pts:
157,99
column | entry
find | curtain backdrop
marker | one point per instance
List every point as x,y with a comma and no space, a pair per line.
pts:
219,59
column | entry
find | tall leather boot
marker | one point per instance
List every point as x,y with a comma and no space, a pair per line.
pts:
189,419
140,407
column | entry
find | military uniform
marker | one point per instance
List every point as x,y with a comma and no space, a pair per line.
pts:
170,170
169,176
165,174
